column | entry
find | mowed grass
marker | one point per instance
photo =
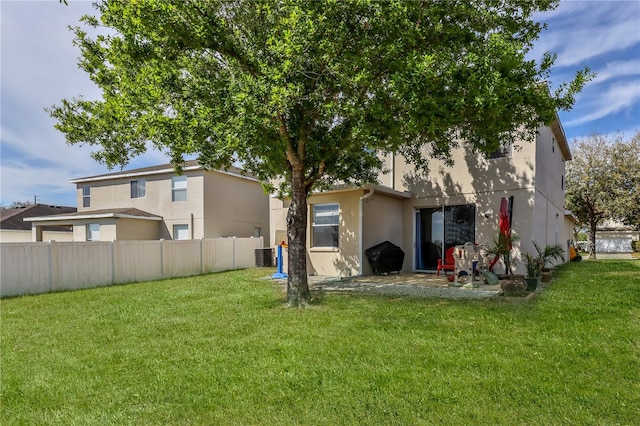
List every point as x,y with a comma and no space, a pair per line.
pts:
221,349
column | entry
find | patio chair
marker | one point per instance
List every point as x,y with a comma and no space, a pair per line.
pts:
449,263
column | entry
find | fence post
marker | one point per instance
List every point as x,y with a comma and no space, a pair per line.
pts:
161,258
201,256
113,261
50,252
234,253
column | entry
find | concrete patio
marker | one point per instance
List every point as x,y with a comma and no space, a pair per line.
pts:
404,284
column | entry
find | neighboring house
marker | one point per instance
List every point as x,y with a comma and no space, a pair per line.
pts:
14,229
614,237
425,215
155,202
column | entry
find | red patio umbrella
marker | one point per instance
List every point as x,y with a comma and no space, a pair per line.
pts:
504,223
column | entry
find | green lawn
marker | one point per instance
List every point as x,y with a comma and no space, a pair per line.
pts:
220,349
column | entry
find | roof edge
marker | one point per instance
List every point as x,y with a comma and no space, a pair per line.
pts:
58,218
561,138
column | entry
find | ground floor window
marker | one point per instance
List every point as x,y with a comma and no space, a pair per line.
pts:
180,232
440,228
325,225
93,232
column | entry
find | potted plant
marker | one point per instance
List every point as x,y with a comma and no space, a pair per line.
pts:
536,264
534,271
550,252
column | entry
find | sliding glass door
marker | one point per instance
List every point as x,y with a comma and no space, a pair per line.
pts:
438,229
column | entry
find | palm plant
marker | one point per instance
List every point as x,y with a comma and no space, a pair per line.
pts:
535,263
502,247
550,252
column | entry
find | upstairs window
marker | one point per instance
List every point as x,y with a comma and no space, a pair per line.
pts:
503,152
138,188
86,196
325,225
179,188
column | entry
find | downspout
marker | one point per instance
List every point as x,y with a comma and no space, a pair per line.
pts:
360,235
393,171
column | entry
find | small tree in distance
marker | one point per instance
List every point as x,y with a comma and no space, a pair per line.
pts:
603,182
309,93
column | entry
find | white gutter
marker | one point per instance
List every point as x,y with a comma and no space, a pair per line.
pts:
134,174
89,216
360,244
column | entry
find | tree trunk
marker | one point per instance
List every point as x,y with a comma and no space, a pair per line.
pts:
298,294
592,238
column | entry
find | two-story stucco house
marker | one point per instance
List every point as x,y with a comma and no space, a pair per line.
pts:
425,215
155,202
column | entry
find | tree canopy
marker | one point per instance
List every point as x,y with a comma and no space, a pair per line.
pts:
309,93
603,181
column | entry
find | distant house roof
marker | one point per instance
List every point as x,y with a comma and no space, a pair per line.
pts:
124,213
14,218
162,169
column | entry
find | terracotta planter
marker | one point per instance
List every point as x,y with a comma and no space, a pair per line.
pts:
513,287
546,277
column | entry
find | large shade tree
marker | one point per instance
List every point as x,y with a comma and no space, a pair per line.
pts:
603,182
308,93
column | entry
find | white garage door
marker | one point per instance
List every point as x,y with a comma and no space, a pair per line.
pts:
613,245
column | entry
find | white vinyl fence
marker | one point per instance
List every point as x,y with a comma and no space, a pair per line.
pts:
42,267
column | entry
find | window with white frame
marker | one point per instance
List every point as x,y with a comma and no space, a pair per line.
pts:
86,196
180,232
325,225
138,188
179,188
93,232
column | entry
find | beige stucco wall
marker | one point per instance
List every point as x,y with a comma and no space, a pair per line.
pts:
382,221
217,205
107,229
345,260
532,174
116,193
234,206
137,229
20,236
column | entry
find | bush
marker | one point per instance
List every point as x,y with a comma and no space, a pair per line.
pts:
635,245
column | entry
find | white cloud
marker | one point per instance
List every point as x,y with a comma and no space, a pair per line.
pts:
580,31
617,97
39,68
617,69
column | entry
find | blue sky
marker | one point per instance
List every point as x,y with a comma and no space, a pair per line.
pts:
38,69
